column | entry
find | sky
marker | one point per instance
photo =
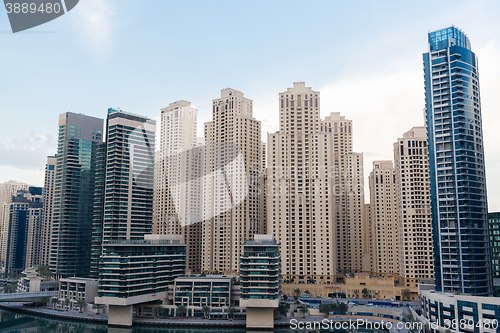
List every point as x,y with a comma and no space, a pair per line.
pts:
365,58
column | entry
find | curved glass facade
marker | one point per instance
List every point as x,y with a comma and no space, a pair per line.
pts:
457,172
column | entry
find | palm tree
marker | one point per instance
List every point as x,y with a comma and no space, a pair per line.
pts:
66,303
356,293
365,292
296,293
307,292
230,311
81,304
205,309
159,310
181,309
54,301
97,307
44,271
405,293
304,310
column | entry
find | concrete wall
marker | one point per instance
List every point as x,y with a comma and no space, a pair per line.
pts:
260,317
120,315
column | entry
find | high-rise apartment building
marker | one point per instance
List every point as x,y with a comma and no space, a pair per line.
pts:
7,191
348,194
384,221
124,181
48,208
78,139
25,209
231,181
178,180
315,190
494,223
35,228
414,205
457,173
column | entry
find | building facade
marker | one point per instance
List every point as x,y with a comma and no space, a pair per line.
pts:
144,269
260,277
48,208
178,180
457,173
72,217
7,191
414,220
469,313
384,221
24,208
123,197
315,200
231,181
494,223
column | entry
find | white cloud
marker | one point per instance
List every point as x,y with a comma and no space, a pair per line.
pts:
94,24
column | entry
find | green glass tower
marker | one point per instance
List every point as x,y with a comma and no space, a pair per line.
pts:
123,201
78,140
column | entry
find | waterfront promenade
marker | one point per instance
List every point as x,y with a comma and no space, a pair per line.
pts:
72,315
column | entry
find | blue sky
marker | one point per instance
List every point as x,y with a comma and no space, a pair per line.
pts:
365,57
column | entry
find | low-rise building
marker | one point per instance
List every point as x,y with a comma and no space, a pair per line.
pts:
460,313
260,276
76,288
138,271
388,286
196,291
31,282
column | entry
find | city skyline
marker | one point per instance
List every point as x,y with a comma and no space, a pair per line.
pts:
388,71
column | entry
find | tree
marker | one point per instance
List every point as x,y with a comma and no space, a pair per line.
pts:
343,307
158,311
66,303
97,307
285,298
10,288
365,292
81,304
230,311
324,308
296,293
44,300
405,293
44,271
54,301
181,310
205,309
356,293
283,308
304,309
311,280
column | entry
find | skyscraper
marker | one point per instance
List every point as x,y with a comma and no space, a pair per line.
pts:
384,223
178,174
124,180
231,181
48,208
25,209
78,139
7,191
411,162
315,190
456,157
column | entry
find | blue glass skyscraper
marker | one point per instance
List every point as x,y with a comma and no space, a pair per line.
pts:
457,173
